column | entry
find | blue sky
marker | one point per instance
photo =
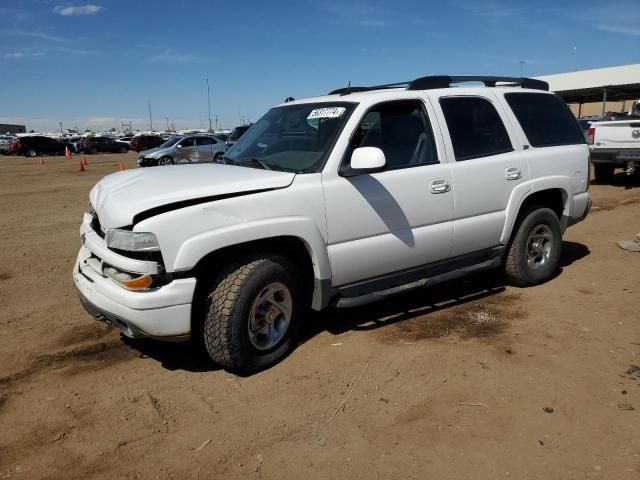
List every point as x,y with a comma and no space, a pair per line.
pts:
95,64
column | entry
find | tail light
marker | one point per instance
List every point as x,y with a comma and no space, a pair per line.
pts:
591,135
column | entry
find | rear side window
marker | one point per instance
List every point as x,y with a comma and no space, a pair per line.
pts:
545,119
204,141
475,127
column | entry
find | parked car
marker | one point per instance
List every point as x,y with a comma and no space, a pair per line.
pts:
338,200
102,145
145,142
184,149
33,145
5,140
614,144
222,136
236,133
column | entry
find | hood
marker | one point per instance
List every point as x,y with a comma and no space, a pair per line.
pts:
119,197
150,152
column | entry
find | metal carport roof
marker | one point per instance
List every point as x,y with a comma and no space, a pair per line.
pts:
619,83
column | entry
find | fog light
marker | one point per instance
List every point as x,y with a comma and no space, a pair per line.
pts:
127,280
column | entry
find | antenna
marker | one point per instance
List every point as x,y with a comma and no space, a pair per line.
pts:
209,104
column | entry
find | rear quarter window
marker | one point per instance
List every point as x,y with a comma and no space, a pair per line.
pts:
545,119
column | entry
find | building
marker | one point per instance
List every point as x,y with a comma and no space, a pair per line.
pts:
6,128
594,92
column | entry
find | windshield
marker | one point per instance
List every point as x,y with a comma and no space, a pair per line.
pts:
295,138
171,142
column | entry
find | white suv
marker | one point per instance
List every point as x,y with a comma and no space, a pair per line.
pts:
336,201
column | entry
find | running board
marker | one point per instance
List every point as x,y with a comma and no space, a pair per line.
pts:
351,302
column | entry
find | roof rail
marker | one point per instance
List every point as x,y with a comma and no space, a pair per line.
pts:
445,81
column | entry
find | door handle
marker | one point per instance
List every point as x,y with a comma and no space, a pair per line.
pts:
439,185
512,173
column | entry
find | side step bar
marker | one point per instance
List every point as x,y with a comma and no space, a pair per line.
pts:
351,302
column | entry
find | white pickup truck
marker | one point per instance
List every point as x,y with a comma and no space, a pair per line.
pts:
614,144
336,200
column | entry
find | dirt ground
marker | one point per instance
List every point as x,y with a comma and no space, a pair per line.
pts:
471,380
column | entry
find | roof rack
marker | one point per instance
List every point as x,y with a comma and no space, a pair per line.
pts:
445,81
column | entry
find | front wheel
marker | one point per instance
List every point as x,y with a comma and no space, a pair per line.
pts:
165,161
218,157
31,152
253,314
534,253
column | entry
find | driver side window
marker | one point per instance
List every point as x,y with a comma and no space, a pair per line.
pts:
401,130
187,142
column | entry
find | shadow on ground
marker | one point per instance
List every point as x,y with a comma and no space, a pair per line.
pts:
192,356
623,180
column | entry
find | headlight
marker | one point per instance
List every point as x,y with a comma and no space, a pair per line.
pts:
131,241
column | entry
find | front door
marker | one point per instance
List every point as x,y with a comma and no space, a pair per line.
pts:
398,218
186,151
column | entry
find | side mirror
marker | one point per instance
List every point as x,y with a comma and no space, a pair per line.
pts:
178,146
364,160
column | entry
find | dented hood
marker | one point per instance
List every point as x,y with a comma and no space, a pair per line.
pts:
119,197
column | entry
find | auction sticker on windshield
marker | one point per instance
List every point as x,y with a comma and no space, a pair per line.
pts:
332,112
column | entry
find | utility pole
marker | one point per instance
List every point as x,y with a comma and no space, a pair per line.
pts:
209,104
150,121
60,123
522,62
167,118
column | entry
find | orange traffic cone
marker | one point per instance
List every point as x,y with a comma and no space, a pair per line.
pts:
81,166
84,161
67,152
122,167
41,161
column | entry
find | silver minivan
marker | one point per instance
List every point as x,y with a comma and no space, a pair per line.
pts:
184,149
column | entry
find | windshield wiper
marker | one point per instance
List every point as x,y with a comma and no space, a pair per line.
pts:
255,161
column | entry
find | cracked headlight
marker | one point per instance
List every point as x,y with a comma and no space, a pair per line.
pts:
131,241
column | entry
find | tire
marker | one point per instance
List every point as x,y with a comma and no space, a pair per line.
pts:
603,173
534,252
233,308
165,161
31,152
217,157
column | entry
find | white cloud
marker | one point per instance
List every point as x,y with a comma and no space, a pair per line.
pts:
622,30
68,11
27,33
19,55
170,56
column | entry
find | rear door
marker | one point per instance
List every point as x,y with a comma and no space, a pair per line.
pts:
486,169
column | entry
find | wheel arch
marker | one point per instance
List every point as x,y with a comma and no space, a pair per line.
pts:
554,197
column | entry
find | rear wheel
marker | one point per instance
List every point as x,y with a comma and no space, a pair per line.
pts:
534,253
253,313
31,152
164,161
603,173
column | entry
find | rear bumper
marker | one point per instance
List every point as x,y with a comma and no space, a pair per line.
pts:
614,156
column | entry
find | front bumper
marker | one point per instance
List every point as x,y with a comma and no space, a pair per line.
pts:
163,312
147,162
